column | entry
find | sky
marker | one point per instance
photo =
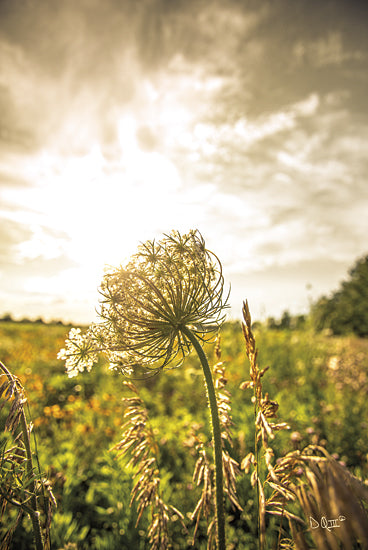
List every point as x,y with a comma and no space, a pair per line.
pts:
121,120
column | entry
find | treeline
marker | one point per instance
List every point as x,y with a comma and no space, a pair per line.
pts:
345,311
7,318
287,322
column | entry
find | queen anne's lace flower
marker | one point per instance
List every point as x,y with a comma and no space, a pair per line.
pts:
166,286
79,354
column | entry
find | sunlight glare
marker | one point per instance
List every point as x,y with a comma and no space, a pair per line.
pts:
85,213
105,212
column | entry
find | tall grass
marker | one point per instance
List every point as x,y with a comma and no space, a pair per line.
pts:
304,484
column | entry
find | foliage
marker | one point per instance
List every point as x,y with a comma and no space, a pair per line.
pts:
320,383
346,311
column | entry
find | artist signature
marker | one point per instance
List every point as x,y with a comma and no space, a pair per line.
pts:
326,523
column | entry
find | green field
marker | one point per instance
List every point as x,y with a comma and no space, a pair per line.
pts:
319,381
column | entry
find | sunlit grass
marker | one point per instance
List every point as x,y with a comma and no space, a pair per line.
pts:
318,381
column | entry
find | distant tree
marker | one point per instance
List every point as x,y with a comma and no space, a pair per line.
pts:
272,323
39,320
25,320
299,322
256,325
347,309
7,318
285,321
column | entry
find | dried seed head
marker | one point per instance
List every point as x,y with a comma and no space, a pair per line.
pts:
166,286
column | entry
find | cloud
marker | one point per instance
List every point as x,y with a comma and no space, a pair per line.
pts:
12,233
23,243
12,180
124,119
67,75
328,50
64,72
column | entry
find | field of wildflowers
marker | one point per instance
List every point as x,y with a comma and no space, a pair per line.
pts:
319,382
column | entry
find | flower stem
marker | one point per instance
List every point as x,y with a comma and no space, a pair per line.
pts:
216,432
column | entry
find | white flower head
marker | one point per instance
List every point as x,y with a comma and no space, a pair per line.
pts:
79,354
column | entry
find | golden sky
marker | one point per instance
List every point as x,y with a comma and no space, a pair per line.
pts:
124,119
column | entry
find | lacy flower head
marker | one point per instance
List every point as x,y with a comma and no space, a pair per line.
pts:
146,306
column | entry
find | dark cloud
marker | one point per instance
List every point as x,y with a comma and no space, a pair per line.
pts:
89,58
302,46
59,35
69,59
14,133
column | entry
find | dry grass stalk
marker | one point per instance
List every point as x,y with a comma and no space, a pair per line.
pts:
264,410
138,443
21,487
203,475
12,391
332,499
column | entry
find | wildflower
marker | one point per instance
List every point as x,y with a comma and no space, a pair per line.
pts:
145,306
79,354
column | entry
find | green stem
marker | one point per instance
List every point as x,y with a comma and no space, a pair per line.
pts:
35,515
216,432
32,511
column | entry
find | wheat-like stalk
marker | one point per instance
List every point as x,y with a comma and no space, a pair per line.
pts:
203,475
139,445
332,500
265,410
21,487
230,465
